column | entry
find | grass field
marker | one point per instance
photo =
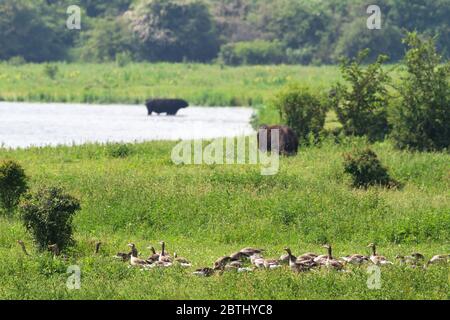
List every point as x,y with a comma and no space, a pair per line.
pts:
203,85
203,212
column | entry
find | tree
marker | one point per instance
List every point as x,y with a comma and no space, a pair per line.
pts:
362,109
174,30
421,120
32,30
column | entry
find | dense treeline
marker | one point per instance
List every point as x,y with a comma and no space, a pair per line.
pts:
232,31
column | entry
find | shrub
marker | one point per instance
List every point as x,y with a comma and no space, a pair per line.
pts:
51,70
367,170
301,110
48,214
13,183
123,58
17,61
421,120
119,150
362,110
252,53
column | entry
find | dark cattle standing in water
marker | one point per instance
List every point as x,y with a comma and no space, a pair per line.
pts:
288,140
169,106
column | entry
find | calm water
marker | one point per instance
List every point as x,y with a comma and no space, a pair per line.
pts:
27,124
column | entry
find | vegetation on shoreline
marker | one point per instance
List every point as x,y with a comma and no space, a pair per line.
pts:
205,211
200,84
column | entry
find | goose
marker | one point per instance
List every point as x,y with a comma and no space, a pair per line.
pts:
134,260
377,259
239,256
97,247
356,259
22,245
233,265
257,260
330,262
164,256
153,255
439,259
182,261
295,265
204,272
220,263
251,251
161,264
272,264
123,256
413,260
284,259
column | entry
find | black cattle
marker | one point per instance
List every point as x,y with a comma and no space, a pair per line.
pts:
169,106
288,140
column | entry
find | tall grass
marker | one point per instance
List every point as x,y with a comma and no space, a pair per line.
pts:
205,85
204,212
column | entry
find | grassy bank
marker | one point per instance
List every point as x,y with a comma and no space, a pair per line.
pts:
204,212
205,85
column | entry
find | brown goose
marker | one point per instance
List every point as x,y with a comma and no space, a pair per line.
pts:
181,261
439,259
330,262
153,255
413,260
22,245
239,256
134,260
297,266
164,256
204,272
355,259
123,256
220,263
377,259
251,251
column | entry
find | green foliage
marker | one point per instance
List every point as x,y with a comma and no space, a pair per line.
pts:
366,169
51,70
48,215
174,30
17,61
421,120
362,109
252,53
107,40
33,30
301,110
119,150
13,183
123,58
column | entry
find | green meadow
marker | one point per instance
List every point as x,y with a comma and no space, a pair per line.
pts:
200,84
203,212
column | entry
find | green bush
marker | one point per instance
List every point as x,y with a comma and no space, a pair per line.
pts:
252,53
123,58
17,61
301,110
362,109
13,183
120,150
367,170
51,70
48,215
421,120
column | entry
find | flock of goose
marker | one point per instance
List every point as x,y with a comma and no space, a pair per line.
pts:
250,259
